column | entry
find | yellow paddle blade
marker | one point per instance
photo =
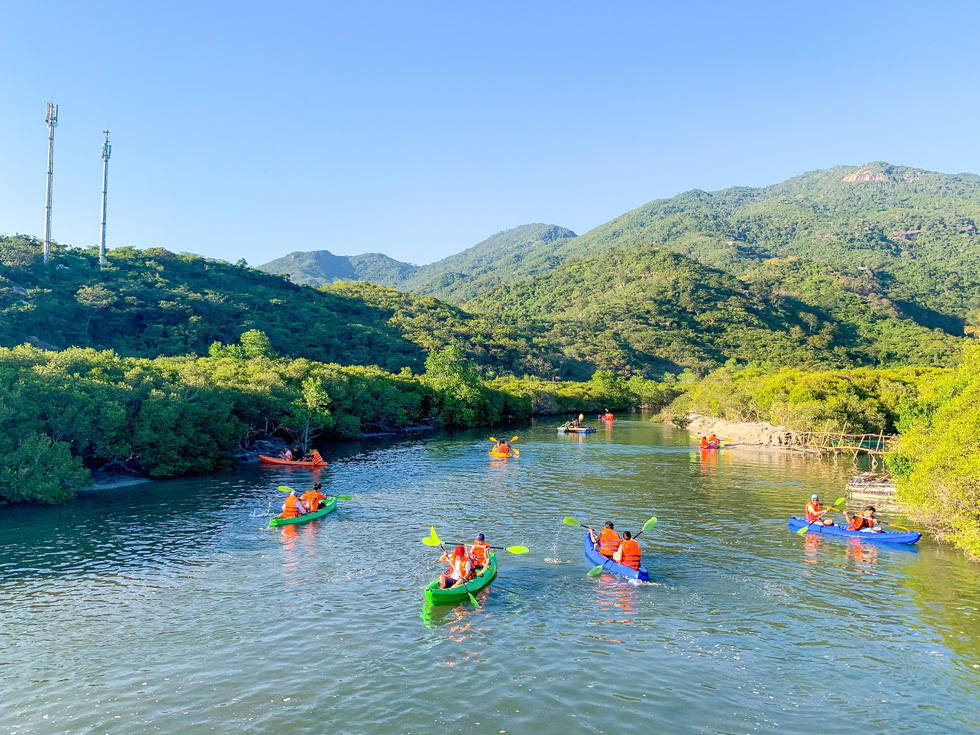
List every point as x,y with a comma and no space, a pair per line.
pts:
285,489
430,542
494,439
434,536
570,521
838,501
803,530
518,549
514,439
516,451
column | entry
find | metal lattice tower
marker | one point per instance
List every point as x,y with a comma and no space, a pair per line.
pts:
106,152
51,118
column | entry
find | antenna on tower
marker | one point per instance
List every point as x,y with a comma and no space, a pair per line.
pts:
51,118
106,152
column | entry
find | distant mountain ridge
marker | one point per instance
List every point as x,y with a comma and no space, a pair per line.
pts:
913,232
456,278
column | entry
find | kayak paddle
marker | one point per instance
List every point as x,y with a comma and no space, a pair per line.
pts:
596,571
434,540
895,525
287,489
511,549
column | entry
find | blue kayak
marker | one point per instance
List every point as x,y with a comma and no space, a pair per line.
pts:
888,537
608,565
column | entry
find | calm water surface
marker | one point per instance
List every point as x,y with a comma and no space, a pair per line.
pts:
174,608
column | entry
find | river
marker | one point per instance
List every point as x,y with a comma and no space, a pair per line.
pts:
172,607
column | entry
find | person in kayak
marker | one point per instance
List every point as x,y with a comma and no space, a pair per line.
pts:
460,568
312,498
607,542
479,551
703,444
714,442
286,454
814,512
864,521
502,447
293,506
628,553
605,414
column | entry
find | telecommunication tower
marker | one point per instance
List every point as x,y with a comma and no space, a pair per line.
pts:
106,152
51,118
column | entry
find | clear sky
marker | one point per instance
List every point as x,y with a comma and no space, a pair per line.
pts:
416,129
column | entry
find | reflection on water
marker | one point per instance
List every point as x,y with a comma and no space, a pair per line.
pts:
174,606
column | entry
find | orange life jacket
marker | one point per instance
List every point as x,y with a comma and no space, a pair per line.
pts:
704,443
459,567
630,550
312,499
859,522
608,542
480,551
315,456
292,507
813,511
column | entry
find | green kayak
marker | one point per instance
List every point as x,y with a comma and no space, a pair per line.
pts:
328,505
453,595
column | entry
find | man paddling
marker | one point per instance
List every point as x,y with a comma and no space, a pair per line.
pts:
864,521
814,512
628,553
460,568
480,551
313,498
607,542
293,506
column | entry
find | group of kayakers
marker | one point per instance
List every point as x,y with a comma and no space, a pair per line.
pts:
709,442
308,502
464,564
863,520
625,550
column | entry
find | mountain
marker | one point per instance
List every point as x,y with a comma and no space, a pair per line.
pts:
913,233
321,266
460,277
457,278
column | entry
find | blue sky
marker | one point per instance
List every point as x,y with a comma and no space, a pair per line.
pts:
417,129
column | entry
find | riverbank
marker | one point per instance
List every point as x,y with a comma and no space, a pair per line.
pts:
757,434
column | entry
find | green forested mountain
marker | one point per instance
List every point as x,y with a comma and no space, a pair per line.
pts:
457,278
912,234
460,277
648,309
321,266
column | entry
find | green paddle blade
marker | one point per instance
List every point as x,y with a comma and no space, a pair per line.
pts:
595,572
285,489
649,524
476,603
430,542
570,521
838,501
344,497
518,549
804,529
434,536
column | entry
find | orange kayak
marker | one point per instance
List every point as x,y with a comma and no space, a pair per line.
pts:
292,462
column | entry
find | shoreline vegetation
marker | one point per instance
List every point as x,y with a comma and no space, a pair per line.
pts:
71,412
935,412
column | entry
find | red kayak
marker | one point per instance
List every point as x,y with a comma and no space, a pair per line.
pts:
292,462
